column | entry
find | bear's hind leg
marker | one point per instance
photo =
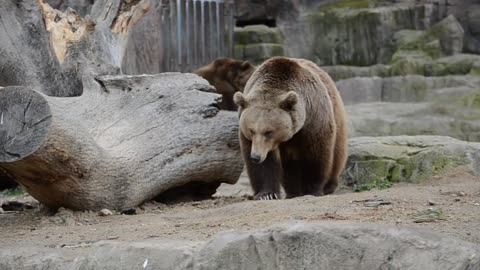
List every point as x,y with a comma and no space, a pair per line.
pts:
339,159
317,171
330,186
264,177
314,180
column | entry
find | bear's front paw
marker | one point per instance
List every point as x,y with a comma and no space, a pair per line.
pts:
266,196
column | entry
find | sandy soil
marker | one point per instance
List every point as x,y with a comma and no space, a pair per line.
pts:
449,203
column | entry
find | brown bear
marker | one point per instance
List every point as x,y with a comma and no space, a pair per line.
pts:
292,129
228,76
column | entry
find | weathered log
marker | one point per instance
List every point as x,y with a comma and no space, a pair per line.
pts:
76,134
125,140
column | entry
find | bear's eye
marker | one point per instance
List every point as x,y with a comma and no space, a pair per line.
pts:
251,131
268,134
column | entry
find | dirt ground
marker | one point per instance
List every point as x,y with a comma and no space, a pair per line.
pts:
449,203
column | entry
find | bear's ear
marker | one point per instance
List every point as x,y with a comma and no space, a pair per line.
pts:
245,65
239,99
289,101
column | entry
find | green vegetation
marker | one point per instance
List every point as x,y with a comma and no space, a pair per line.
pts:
429,215
348,4
377,183
17,191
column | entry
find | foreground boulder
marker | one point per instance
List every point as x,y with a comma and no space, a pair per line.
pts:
326,245
407,158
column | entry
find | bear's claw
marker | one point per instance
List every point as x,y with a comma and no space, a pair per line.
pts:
267,196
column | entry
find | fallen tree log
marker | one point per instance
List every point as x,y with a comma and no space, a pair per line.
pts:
124,141
77,135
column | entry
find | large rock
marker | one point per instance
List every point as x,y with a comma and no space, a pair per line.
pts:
411,88
413,105
409,63
420,63
470,19
294,20
393,119
407,158
341,72
257,34
254,10
257,53
256,43
299,245
443,38
456,64
362,37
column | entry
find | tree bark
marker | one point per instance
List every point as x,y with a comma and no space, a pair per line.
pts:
125,141
77,135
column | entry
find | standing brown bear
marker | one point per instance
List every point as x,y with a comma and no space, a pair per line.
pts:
228,76
292,129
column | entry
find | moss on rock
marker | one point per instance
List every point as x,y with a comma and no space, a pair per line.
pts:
253,34
406,158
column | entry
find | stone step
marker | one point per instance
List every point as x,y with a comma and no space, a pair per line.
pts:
456,119
411,88
293,245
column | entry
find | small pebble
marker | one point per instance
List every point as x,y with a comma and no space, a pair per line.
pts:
477,204
113,237
430,202
457,199
105,212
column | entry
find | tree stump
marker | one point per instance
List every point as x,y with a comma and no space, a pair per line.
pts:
76,134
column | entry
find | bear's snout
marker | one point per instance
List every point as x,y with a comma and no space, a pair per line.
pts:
255,158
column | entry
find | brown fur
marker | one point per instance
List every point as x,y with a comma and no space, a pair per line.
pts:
227,76
292,120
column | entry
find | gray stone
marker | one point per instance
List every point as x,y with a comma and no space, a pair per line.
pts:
472,37
411,88
450,112
450,34
295,245
404,38
456,64
105,212
407,158
334,245
360,90
409,63
257,34
344,72
444,38
258,53
362,37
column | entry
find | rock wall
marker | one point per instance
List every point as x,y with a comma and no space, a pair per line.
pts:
356,32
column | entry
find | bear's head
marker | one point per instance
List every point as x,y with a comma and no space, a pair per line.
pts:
268,123
236,72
